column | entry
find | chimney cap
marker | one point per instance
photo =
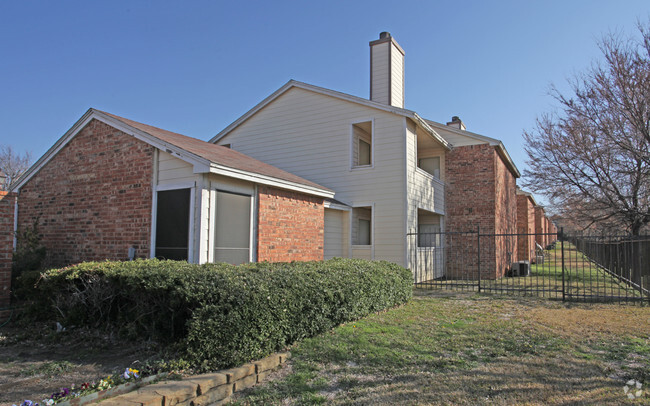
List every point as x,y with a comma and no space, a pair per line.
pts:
457,123
384,34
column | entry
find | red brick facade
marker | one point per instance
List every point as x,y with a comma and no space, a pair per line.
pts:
481,192
6,247
290,227
93,198
540,226
525,225
505,247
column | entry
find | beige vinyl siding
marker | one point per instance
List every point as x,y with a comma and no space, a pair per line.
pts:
172,170
397,77
380,73
423,190
361,252
309,134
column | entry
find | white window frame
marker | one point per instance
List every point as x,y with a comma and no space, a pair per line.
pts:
217,187
154,217
440,225
372,144
372,228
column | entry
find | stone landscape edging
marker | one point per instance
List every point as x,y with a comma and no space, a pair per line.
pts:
115,391
199,390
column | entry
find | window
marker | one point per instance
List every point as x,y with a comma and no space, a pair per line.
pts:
362,144
232,238
173,224
364,232
364,153
429,228
362,226
430,165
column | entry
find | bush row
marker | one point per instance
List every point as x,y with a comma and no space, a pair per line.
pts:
222,315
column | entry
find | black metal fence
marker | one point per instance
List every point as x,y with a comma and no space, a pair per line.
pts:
556,266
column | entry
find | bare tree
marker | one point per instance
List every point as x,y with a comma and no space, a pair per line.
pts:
591,159
12,165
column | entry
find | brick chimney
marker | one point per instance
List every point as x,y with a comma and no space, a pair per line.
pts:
457,123
387,71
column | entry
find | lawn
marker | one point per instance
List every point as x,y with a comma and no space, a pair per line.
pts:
440,348
583,279
471,349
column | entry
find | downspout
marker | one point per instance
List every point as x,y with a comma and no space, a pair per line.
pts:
15,242
154,205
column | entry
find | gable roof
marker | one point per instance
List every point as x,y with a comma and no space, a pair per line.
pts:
428,125
204,156
342,96
501,149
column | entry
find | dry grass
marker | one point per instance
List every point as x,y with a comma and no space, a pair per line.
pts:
470,349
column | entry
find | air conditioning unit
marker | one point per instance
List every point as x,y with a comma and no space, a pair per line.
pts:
521,268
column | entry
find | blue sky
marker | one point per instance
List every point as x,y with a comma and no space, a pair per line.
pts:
194,67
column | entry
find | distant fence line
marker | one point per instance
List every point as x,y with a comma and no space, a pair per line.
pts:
562,266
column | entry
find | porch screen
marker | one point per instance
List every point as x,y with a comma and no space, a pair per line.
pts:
173,224
232,238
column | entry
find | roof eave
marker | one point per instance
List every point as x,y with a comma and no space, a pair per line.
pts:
491,141
528,194
269,180
508,160
425,126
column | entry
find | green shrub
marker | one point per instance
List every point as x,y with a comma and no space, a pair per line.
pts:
27,259
223,315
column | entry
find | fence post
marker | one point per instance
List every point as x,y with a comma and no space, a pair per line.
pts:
562,245
478,242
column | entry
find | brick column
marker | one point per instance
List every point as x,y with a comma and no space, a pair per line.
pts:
7,204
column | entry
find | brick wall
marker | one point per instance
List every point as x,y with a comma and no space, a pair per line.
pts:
505,247
92,200
470,191
6,248
480,191
540,226
291,226
525,224
469,202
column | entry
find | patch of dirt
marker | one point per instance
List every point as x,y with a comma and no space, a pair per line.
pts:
36,361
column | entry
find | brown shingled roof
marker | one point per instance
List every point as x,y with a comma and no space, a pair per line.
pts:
216,154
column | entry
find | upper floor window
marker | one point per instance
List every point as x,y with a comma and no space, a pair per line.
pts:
430,165
362,144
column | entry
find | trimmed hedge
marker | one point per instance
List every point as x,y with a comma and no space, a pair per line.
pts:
222,315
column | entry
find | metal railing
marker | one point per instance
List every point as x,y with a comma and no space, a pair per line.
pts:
549,265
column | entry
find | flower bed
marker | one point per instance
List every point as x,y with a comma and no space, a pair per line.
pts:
112,385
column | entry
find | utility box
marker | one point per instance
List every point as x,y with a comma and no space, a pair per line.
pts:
521,268
524,268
